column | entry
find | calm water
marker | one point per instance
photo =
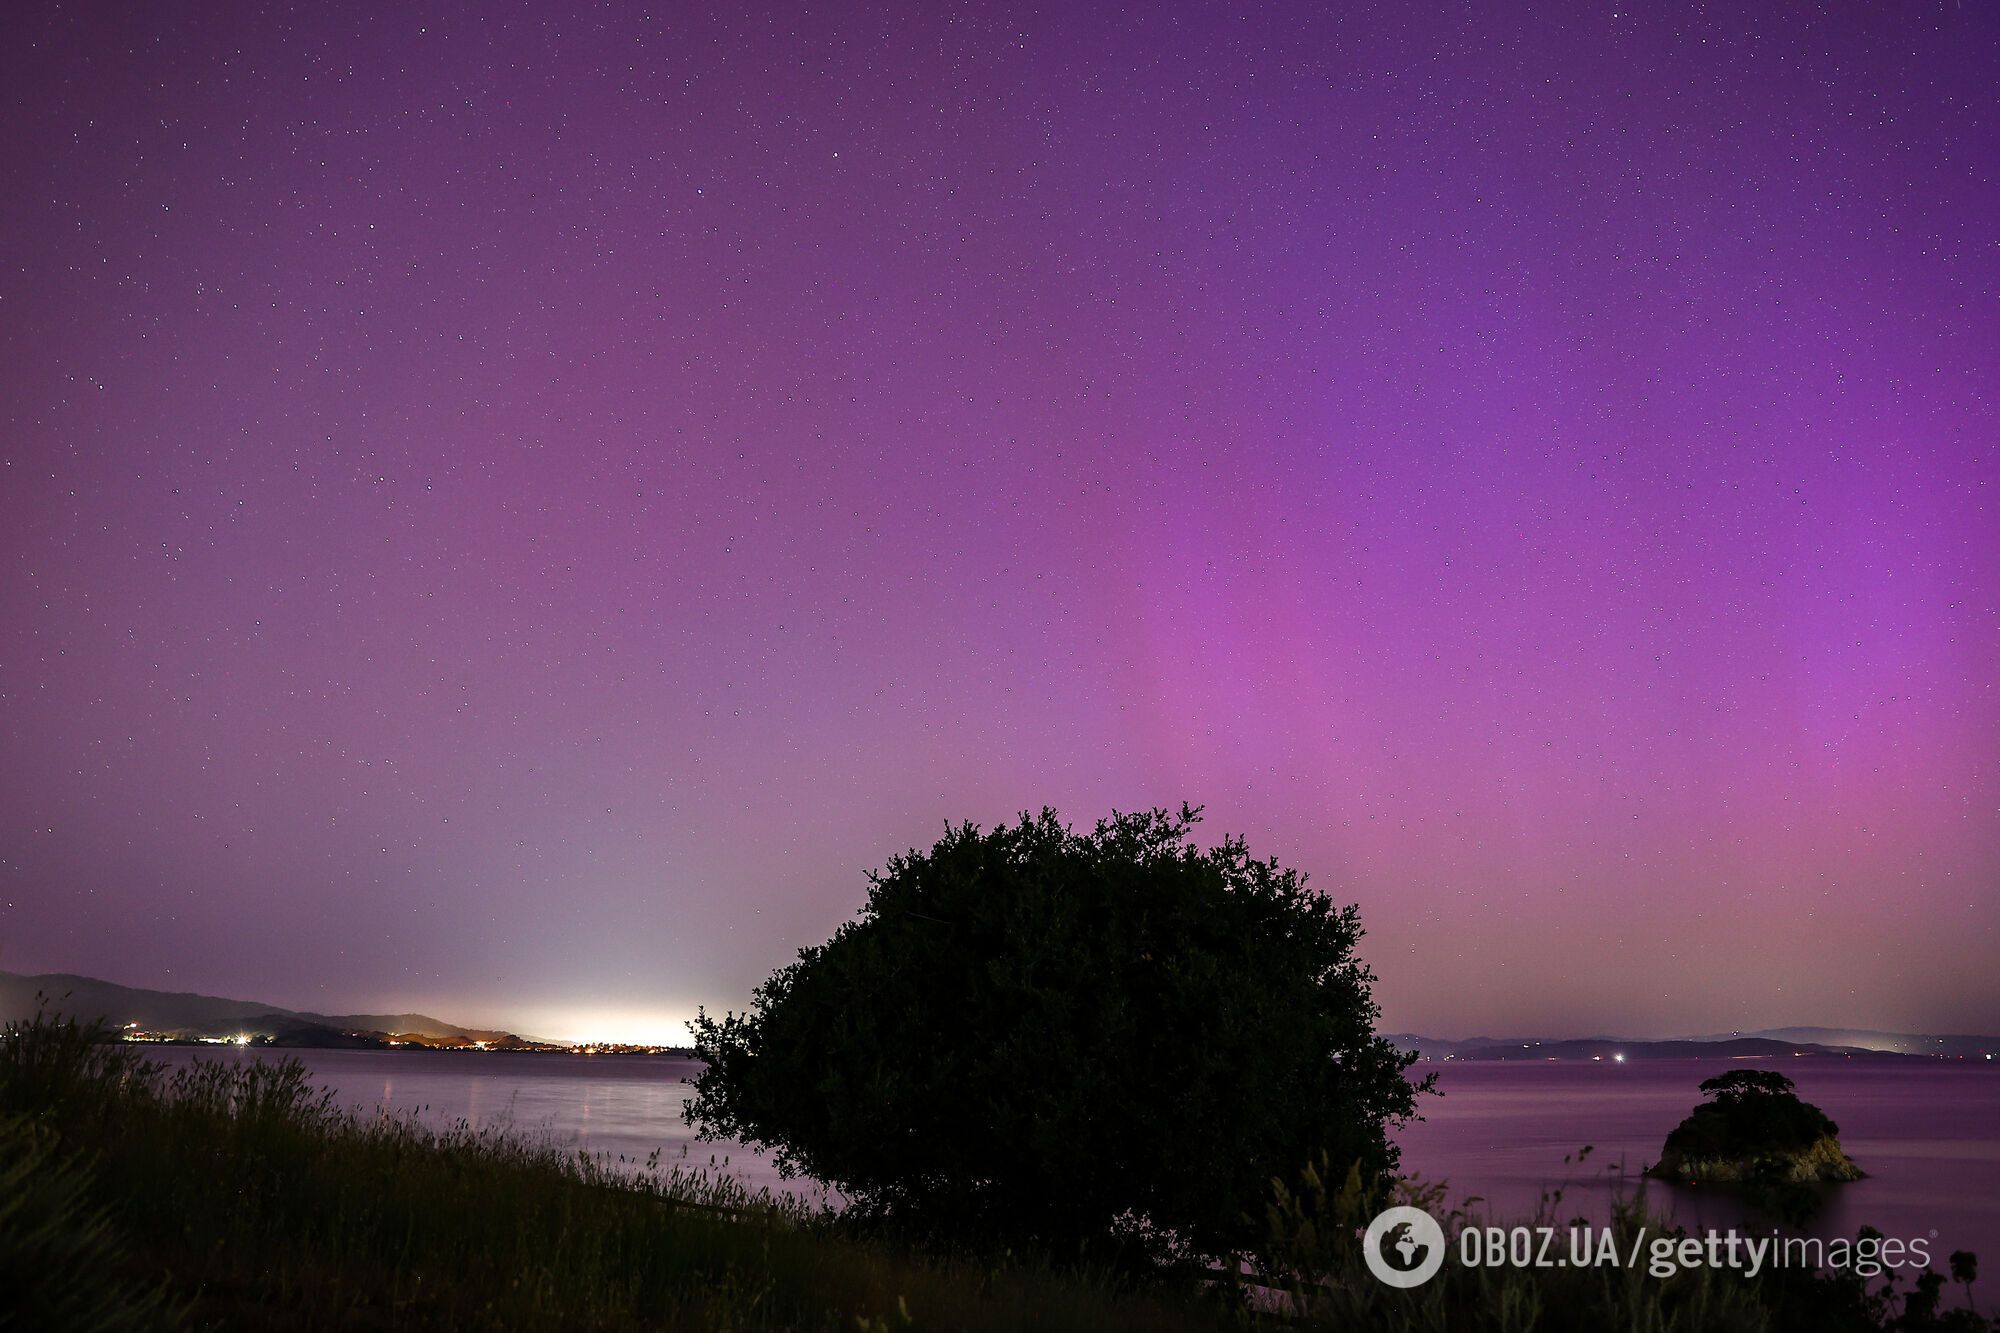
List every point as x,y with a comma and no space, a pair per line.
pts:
617,1105
1928,1134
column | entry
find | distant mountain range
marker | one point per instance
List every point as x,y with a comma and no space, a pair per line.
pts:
1946,1045
210,1017
186,1015
1847,1043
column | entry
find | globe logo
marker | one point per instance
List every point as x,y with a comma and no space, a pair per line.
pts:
1404,1247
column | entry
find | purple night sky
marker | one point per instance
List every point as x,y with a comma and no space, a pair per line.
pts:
512,515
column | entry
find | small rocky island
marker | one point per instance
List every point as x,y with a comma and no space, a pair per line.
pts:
1754,1129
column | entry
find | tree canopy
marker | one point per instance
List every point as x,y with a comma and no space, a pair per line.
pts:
1036,1035
1741,1083
1750,1112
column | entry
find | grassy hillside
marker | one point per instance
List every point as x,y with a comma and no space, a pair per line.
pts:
238,1197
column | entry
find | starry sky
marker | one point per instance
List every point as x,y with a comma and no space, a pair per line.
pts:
514,513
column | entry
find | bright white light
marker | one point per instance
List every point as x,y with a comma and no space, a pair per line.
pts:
1620,1057
637,1026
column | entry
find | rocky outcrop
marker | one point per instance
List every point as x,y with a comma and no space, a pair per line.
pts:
1822,1160
1754,1130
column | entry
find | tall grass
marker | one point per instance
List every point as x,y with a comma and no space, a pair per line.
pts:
61,1263
249,1200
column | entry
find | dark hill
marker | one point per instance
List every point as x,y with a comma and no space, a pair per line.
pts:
211,1015
1599,1048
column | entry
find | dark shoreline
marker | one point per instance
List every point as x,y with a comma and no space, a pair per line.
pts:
397,1047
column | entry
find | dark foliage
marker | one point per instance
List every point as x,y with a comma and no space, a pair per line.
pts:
1314,1256
63,1264
1751,1113
1111,1040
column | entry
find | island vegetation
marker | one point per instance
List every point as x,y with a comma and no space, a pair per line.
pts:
1754,1127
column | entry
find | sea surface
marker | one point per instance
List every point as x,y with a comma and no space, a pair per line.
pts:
1928,1133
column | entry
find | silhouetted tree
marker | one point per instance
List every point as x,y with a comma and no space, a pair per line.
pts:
1965,1271
1741,1083
1750,1111
1104,1040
